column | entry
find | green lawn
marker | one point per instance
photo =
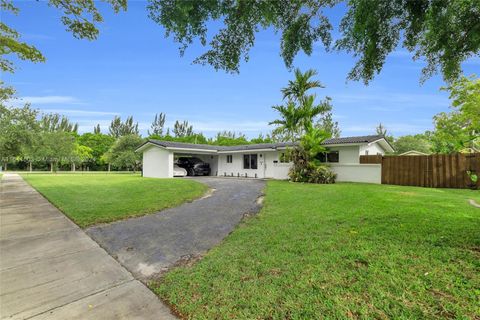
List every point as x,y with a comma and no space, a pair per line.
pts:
93,198
340,251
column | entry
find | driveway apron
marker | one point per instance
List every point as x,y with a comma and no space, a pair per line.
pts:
151,244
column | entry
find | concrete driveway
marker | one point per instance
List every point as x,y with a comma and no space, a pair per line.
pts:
151,244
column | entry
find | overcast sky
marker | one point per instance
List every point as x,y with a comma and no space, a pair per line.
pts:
132,69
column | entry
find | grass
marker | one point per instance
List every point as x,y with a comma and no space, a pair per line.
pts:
90,199
340,251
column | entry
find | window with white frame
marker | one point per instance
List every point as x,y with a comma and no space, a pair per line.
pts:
250,161
229,158
331,156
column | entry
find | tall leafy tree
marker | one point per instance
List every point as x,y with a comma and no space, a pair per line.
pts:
182,129
262,138
158,125
99,143
381,130
18,130
130,127
122,154
418,142
56,122
11,44
119,129
96,129
115,127
81,155
230,138
459,130
330,126
442,33
56,147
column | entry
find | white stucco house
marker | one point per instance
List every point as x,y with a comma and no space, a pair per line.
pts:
266,160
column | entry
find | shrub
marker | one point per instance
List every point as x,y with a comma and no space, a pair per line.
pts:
304,170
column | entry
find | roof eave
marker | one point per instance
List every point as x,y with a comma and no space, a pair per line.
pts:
385,144
148,144
344,144
245,150
204,151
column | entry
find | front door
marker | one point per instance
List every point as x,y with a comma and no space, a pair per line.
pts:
268,168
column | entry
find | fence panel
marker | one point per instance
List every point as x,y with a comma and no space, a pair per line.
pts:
371,159
437,170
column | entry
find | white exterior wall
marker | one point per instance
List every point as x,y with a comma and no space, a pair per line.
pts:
157,163
373,149
370,173
274,169
236,167
347,154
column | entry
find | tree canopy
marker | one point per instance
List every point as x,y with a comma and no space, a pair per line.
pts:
119,129
122,154
81,17
442,33
418,142
459,129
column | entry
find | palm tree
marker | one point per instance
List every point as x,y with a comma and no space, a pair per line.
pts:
289,123
300,110
297,88
309,110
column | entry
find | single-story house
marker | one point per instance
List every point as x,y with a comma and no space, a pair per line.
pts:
266,160
413,153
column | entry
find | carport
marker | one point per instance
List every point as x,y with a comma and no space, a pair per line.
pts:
207,157
159,158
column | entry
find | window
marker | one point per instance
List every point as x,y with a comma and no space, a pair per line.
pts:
229,158
284,158
250,161
331,156
322,157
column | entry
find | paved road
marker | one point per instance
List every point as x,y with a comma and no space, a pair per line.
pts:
150,244
50,269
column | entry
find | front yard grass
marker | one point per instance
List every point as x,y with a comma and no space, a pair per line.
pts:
90,199
340,251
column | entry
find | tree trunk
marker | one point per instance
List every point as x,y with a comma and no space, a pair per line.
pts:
73,166
51,167
5,169
109,167
30,166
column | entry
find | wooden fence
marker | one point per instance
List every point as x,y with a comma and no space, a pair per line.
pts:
436,171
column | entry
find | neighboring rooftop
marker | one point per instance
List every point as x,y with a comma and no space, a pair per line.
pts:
273,146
